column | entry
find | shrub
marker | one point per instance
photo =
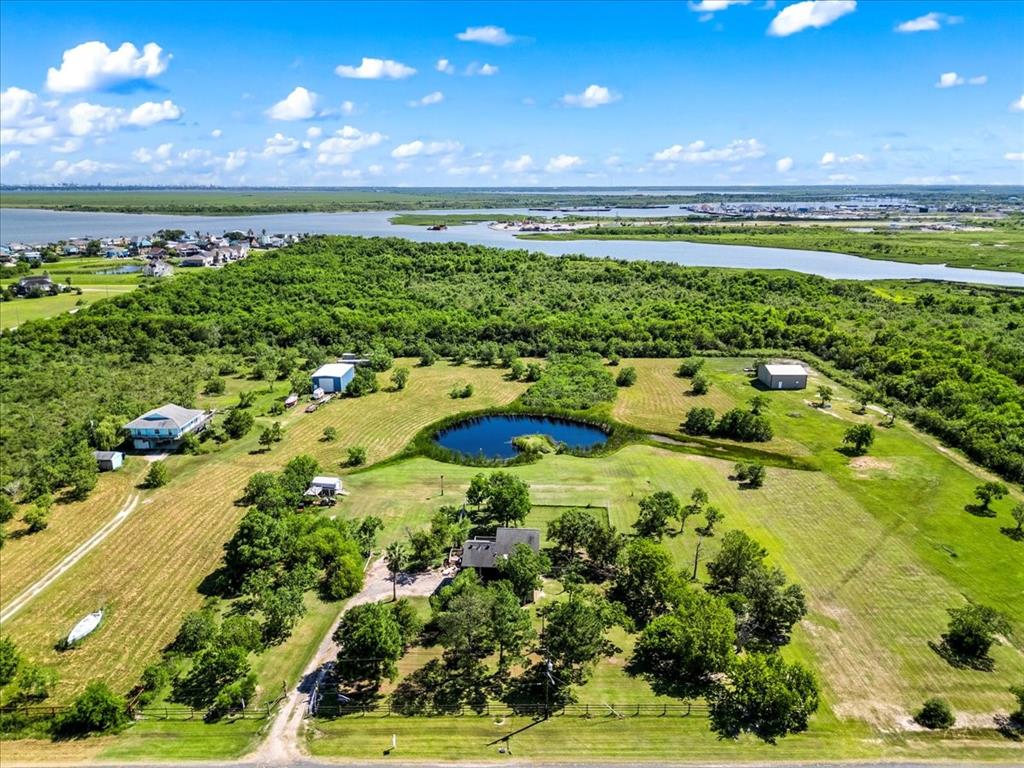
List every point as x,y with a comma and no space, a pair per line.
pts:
214,386
626,377
37,519
935,714
699,421
157,475
97,710
330,434
751,473
700,384
238,423
399,378
356,456
688,368
363,382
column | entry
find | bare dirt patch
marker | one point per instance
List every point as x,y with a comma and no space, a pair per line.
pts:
868,463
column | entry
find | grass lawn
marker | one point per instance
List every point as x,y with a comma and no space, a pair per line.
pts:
881,545
147,572
575,739
84,273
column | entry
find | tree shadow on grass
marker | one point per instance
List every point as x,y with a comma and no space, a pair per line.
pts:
954,659
850,452
1010,726
1016,534
979,510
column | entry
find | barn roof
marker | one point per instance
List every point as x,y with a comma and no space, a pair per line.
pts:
332,370
785,369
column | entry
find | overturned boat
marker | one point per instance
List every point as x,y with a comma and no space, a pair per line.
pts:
85,627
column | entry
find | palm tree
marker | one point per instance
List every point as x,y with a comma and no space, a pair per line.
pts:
395,557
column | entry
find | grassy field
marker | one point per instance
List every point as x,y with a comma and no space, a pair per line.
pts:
181,528
604,738
84,273
881,545
999,248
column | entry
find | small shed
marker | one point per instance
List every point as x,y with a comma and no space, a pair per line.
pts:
333,377
782,375
324,487
108,461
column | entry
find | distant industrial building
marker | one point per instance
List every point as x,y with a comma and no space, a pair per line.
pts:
782,375
333,377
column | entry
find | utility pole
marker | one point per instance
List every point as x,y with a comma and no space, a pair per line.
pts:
442,485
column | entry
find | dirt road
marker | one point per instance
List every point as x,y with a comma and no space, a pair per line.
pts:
79,552
281,745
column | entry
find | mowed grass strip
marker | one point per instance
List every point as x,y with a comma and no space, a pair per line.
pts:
874,603
147,573
577,739
26,557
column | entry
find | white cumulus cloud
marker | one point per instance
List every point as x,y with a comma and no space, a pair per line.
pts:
952,79
418,147
1018,105
279,144
144,155
699,152
592,96
929,22
153,112
1014,156
561,163
85,119
375,69
484,70
300,104
435,97
10,157
784,164
338,149
831,158
489,35
445,66
81,168
93,66
809,14
216,133
521,164
714,6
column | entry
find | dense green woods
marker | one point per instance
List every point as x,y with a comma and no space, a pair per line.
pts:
951,356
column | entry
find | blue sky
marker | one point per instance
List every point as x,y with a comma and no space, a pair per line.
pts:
709,92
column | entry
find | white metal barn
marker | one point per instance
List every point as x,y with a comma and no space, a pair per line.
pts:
782,375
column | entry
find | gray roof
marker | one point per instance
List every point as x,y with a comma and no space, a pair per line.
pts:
483,552
106,455
165,417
